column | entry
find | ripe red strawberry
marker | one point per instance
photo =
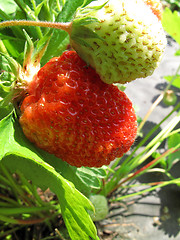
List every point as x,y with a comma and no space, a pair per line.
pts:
71,113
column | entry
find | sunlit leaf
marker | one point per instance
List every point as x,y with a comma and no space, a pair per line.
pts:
176,82
18,154
171,23
173,141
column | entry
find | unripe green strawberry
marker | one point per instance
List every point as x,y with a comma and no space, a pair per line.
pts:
122,39
101,207
169,98
71,113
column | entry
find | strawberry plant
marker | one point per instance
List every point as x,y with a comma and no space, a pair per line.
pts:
61,118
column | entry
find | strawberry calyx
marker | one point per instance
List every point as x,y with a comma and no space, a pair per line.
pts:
16,85
84,16
20,76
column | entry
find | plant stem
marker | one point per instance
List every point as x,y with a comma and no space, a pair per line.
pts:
132,162
58,233
3,48
12,211
6,233
144,140
63,26
174,181
154,144
145,168
157,101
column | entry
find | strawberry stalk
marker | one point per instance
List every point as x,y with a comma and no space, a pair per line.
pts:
63,26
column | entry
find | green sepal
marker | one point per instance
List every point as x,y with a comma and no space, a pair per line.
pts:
85,16
82,42
41,48
33,55
84,32
28,50
84,21
90,9
80,33
121,87
13,64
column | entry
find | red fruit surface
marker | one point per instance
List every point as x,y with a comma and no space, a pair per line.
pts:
72,114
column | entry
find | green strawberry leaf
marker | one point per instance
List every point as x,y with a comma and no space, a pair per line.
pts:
177,53
176,82
14,66
171,23
91,176
85,179
73,204
85,21
81,33
60,39
91,9
173,141
4,111
8,6
15,155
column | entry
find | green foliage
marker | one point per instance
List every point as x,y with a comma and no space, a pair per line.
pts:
17,154
171,23
174,4
101,207
176,80
14,38
173,141
72,186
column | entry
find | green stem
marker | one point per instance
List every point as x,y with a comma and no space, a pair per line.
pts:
21,221
58,5
155,143
146,167
17,190
144,140
3,48
157,101
30,14
6,233
132,162
174,181
4,180
9,201
63,26
24,210
8,219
